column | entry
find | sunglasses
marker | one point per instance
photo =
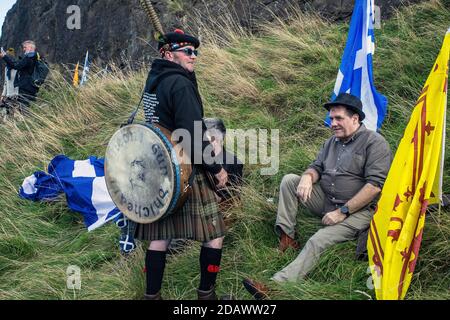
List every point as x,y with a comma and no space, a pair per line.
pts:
188,51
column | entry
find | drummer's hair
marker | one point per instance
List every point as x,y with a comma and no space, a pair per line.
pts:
215,123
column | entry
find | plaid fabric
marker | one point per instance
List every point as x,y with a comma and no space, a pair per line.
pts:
199,219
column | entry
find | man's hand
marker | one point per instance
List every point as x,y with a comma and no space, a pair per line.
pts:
222,178
333,217
304,188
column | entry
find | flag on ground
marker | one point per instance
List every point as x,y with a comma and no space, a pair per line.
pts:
355,74
84,184
414,181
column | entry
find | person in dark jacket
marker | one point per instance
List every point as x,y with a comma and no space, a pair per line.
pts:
233,166
8,99
25,68
172,100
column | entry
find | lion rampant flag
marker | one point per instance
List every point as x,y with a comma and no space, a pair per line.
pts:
414,181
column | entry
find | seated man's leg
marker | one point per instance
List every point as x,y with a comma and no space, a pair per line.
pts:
288,208
287,205
321,240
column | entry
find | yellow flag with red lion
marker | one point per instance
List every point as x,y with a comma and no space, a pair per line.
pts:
414,181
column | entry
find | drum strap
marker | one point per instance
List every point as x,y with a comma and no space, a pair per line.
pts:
133,115
192,176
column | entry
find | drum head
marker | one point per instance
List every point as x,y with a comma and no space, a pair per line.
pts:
140,175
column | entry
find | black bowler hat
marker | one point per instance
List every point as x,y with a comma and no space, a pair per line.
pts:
177,39
349,101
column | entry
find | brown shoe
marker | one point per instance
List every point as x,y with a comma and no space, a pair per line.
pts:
258,290
156,296
287,242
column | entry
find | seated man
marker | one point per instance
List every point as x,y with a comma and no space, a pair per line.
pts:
216,133
341,186
233,166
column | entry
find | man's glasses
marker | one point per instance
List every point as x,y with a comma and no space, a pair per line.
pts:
188,51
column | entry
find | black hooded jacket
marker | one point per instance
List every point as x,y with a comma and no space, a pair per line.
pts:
25,68
172,100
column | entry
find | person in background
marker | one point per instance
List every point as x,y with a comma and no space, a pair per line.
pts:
24,68
8,99
216,134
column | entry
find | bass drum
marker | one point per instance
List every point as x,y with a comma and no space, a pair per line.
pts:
147,174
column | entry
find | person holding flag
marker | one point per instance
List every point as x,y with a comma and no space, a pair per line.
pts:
413,183
10,93
25,68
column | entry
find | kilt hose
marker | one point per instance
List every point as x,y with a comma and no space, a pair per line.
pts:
199,219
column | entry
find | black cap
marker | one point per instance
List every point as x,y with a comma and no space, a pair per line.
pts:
178,37
349,101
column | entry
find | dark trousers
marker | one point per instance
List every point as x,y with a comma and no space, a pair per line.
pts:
25,98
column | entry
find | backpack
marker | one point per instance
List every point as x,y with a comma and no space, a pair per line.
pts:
40,72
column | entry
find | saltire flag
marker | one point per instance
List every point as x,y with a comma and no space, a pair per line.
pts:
84,76
84,184
355,74
76,79
414,181
127,228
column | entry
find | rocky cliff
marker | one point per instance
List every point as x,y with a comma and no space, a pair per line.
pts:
119,30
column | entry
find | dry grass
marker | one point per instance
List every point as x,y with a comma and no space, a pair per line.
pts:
276,80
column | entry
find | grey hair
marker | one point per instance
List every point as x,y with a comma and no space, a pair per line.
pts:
215,123
29,42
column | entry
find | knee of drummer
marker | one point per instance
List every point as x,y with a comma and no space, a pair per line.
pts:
215,243
159,245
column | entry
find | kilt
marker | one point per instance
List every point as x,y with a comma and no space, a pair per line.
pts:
199,219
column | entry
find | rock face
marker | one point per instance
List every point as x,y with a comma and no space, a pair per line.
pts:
119,30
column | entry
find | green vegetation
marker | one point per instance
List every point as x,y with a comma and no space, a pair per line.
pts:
276,80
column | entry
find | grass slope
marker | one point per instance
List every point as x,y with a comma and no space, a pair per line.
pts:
276,80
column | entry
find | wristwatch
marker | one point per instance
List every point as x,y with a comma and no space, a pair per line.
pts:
344,209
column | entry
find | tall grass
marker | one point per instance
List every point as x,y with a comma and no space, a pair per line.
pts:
277,79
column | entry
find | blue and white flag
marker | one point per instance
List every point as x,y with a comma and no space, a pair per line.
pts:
86,67
127,228
355,73
84,184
